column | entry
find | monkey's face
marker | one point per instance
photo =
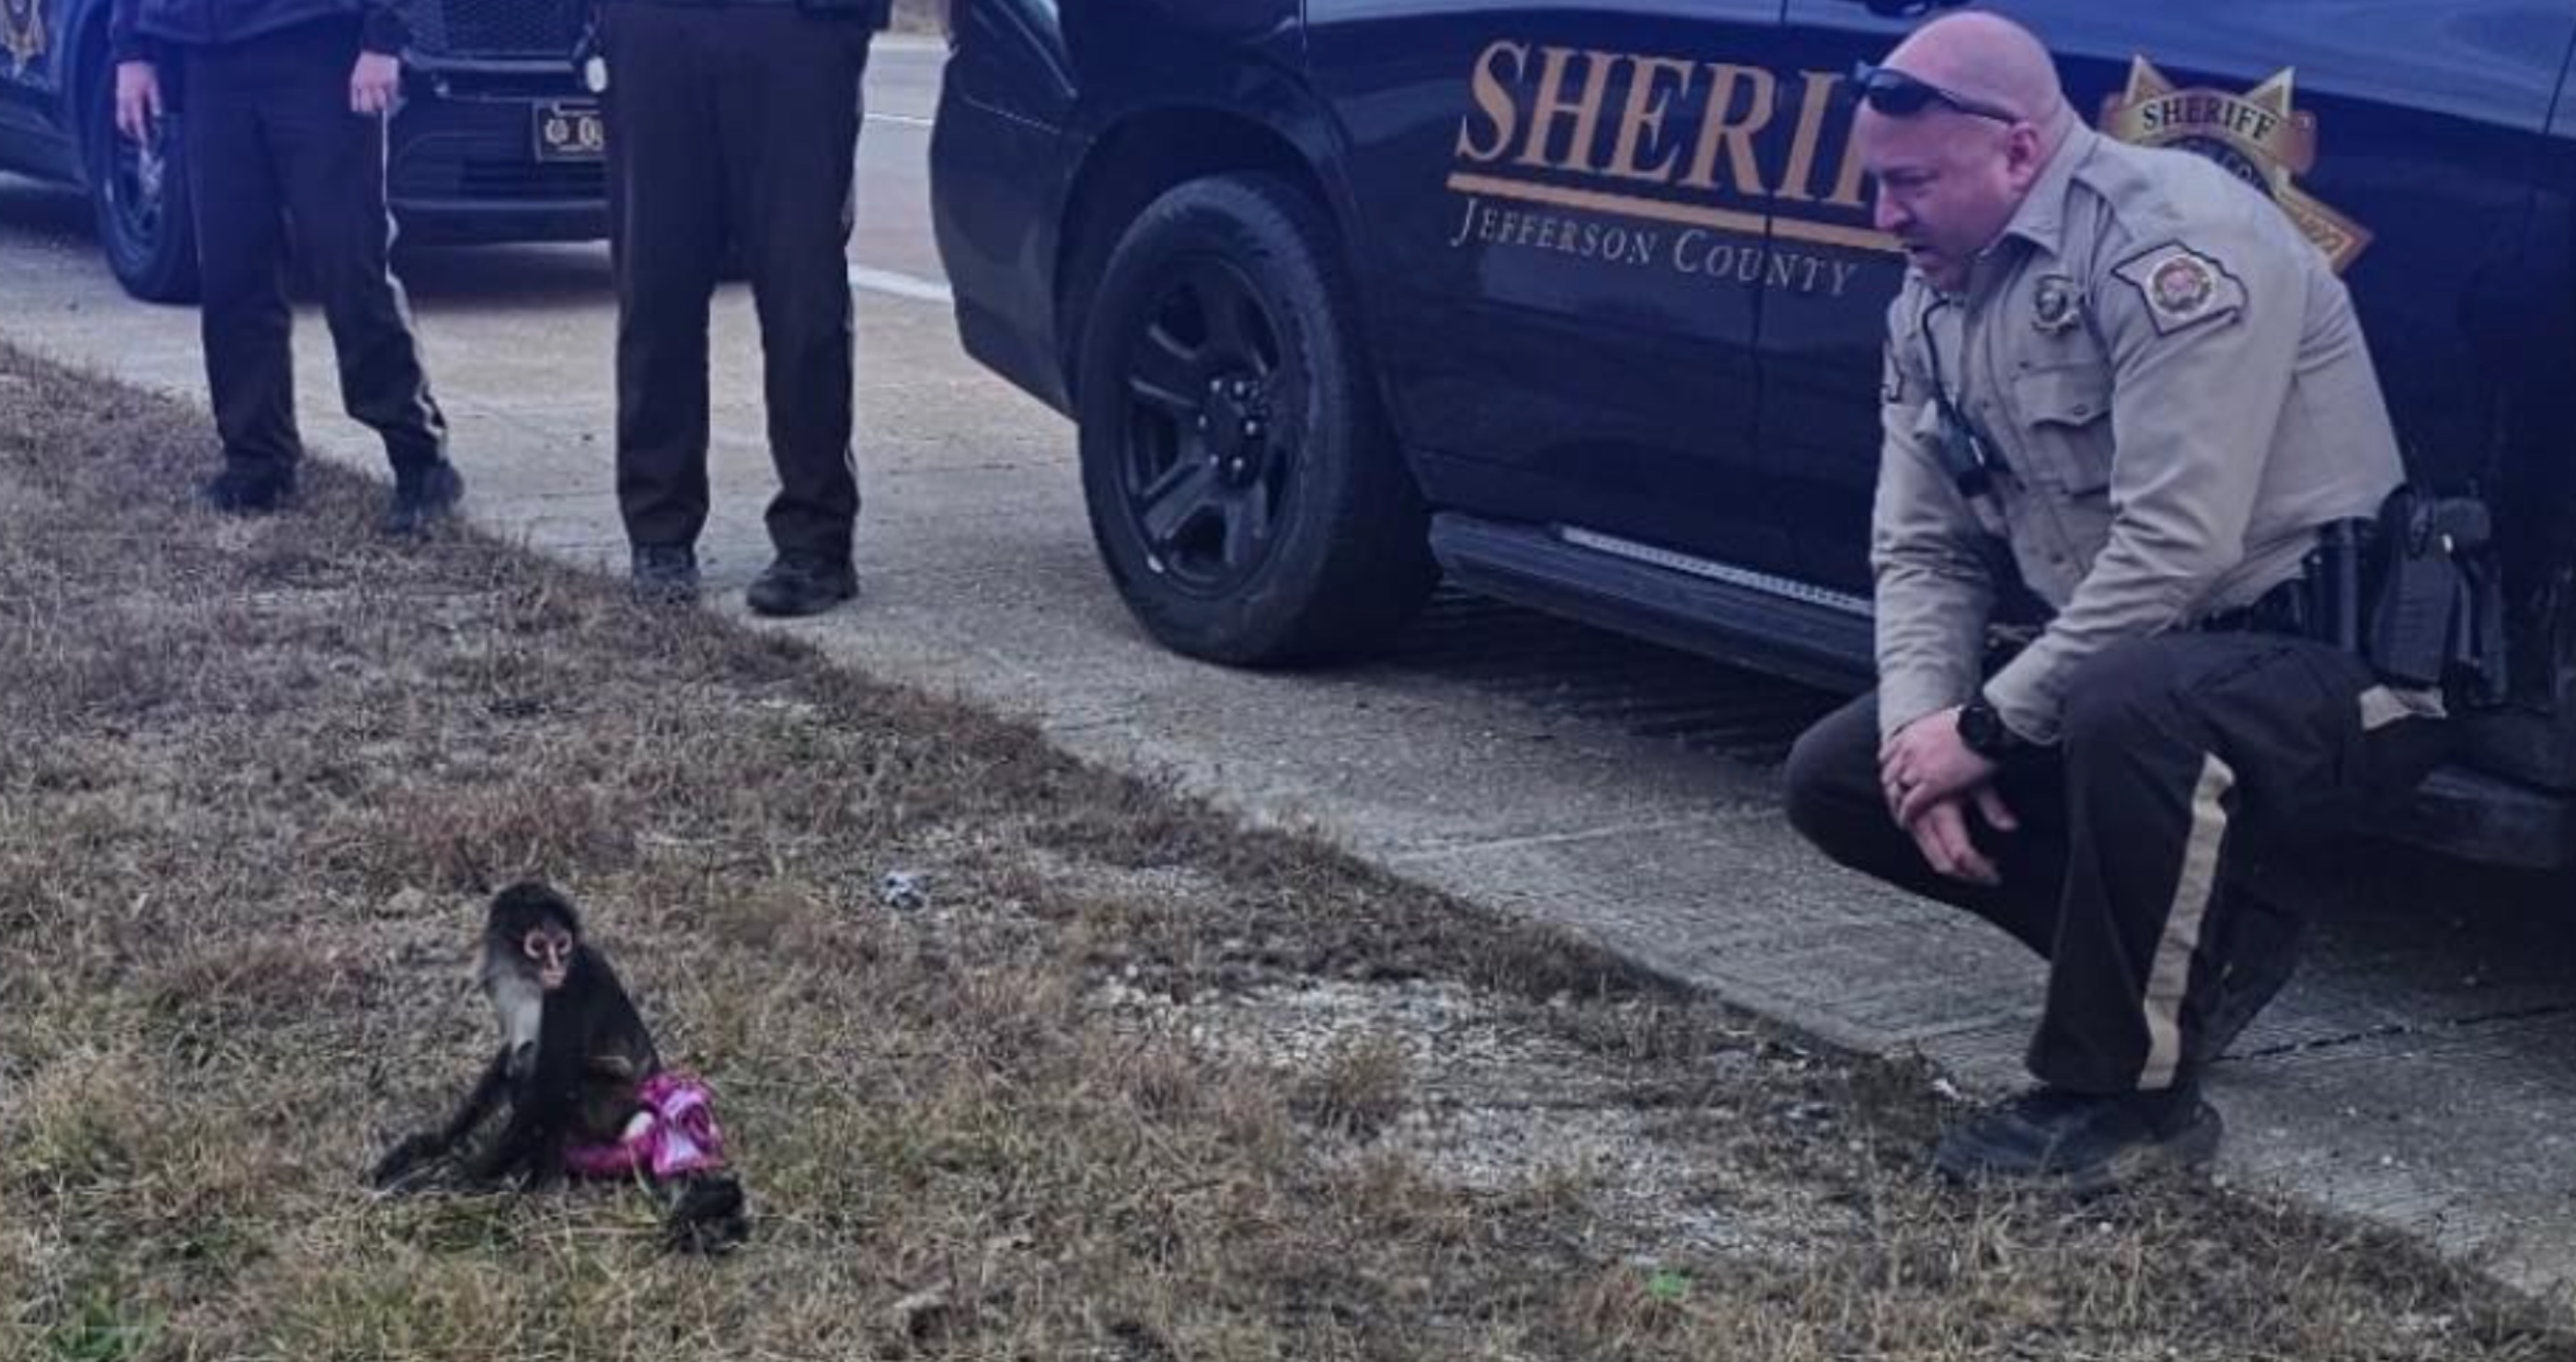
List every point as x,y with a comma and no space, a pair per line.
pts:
550,948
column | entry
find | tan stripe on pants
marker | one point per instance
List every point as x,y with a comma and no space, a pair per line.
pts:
2192,894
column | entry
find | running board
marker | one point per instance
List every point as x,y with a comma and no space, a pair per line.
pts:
1734,615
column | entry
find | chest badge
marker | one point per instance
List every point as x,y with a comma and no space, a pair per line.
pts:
2054,307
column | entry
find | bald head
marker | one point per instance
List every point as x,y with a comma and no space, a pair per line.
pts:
1950,174
1988,58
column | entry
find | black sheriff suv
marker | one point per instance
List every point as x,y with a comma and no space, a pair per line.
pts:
1580,305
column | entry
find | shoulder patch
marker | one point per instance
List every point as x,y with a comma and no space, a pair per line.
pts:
2183,287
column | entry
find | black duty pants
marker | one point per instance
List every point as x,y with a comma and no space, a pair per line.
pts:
274,156
2191,766
734,123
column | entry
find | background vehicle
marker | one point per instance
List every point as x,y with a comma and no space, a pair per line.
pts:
497,139
1582,304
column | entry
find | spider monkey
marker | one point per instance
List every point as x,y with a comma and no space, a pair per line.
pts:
573,1060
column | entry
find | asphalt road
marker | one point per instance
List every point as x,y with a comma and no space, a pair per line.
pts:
2414,1074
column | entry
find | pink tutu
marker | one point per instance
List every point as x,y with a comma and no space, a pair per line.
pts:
676,1133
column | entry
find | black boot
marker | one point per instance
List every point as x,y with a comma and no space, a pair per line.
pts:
799,585
2260,957
422,497
2080,1143
247,491
665,574
2244,988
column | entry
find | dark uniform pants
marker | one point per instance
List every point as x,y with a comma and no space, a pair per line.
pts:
740,122
274,154
2193,769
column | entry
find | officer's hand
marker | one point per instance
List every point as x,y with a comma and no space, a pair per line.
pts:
138,99
1927,763
374,83
1940,832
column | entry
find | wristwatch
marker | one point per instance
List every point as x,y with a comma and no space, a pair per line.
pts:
1986,734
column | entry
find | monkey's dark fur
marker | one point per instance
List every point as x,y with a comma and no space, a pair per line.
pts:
573,1054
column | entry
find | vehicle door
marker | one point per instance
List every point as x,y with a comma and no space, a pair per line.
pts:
1559,225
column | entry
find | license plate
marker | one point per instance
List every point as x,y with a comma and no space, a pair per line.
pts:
570,130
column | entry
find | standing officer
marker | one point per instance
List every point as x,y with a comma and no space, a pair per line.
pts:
285,104
736,121
2125,374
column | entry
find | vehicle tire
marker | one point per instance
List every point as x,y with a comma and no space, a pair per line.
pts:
146,223
1244,486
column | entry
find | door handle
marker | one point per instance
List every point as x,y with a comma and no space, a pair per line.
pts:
1908,9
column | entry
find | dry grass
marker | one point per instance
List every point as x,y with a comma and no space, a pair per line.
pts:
1121,1081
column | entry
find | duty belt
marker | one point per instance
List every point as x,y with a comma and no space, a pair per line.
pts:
2282,610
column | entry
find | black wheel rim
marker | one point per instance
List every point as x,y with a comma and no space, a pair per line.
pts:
138,197
1210,428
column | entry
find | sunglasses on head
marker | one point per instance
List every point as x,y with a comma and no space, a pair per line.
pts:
1898,94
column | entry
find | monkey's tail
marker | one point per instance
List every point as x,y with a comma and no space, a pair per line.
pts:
709,1214
409,1166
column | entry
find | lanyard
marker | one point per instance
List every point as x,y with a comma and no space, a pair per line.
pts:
1966,455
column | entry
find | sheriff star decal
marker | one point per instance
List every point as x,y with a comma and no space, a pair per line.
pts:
22,31
2260,136
2183,287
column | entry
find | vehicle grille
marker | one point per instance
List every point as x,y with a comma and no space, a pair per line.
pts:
488,161
496,28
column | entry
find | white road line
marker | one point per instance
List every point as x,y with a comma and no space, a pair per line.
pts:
907,120
900,285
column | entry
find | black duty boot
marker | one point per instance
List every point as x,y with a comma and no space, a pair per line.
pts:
798,585
422,497
2244,988
247,491
665,574
2049,1139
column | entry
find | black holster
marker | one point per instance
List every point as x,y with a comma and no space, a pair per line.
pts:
2418,593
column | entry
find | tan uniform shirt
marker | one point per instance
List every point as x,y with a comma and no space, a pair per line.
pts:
2177,384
